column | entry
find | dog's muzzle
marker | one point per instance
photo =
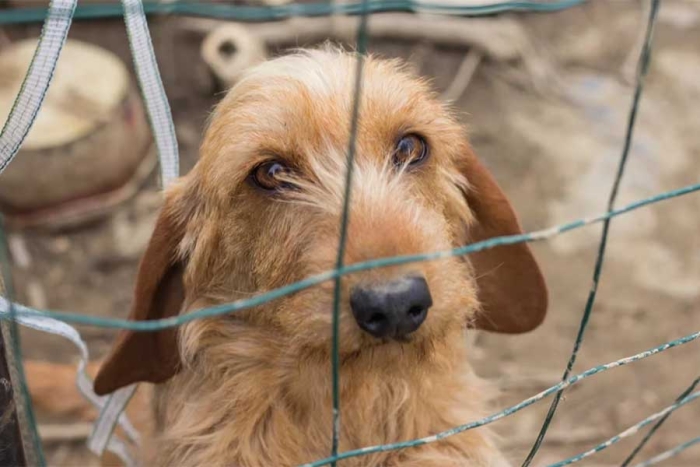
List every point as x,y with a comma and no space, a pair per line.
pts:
393,309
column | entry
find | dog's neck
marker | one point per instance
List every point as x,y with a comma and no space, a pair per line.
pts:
250,401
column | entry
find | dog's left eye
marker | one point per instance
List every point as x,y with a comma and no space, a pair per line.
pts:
410,150
270,176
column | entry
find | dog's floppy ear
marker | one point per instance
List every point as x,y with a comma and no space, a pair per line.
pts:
150,356
511,287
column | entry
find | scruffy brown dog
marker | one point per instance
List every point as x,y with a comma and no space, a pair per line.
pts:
260,210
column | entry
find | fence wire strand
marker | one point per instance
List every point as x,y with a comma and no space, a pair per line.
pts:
278,12
220,310
658,424
345,219
512,409
631,431
363,8
642,69
30,431
666,455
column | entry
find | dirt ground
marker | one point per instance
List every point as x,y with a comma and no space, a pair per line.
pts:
554,149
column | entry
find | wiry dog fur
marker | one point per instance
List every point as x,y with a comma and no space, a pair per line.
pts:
254,388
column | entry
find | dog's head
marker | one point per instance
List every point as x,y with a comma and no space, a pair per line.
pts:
262,209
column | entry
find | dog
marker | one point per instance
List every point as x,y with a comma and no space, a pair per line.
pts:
262,209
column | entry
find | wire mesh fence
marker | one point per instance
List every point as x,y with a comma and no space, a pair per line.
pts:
57,23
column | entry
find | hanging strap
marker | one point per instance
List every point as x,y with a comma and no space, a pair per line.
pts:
99,441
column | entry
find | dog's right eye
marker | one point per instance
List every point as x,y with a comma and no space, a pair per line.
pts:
270,176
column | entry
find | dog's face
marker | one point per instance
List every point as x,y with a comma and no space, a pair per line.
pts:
263,208
275,158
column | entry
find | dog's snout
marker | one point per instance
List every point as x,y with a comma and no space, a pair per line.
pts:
393,309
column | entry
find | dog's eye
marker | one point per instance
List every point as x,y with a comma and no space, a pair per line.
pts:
271,176
410,150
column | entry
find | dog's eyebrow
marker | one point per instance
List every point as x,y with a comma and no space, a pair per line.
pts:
264,153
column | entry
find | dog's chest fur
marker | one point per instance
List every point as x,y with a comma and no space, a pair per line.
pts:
266,410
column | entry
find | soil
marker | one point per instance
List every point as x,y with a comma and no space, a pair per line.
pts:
554,148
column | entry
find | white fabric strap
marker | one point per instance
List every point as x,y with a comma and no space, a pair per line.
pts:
152,90
23,114
84,382
24,111
110,415
36,83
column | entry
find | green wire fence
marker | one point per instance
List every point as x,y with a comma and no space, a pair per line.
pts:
270,13
16,311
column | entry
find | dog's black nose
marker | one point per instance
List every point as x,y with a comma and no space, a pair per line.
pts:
393,309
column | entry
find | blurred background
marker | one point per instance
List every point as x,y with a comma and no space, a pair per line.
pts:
546,98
